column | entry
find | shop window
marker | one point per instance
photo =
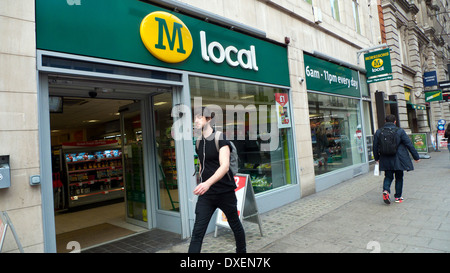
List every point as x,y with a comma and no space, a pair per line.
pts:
259,127
336,132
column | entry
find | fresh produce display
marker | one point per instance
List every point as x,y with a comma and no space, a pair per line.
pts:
261,184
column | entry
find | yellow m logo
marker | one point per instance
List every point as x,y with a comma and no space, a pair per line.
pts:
166,37
377,63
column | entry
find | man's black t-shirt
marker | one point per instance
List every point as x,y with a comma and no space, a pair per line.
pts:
225,184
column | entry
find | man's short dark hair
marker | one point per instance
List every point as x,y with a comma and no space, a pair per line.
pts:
390,118
204,112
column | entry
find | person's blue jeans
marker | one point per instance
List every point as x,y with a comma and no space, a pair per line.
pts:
389,177
204,210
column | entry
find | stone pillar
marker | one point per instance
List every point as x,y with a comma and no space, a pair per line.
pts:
393,40
19,123
416,64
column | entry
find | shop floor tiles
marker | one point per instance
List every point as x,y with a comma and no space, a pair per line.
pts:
145,242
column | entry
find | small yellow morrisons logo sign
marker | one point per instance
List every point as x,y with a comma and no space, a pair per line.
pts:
377,63
166,37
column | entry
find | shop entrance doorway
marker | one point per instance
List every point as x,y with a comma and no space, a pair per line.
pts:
105,159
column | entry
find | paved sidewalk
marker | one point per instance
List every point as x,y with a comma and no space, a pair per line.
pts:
352,217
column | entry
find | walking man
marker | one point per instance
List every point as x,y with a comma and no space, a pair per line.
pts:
217,189
390,148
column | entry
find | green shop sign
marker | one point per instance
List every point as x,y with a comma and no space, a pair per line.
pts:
434,95
378,65
416,106
137,32
331,78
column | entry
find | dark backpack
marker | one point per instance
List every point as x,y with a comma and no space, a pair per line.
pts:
388,141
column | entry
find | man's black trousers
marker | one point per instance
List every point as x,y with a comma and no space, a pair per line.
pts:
206,205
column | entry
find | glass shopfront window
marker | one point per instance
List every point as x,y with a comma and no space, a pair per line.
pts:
336,132
259,126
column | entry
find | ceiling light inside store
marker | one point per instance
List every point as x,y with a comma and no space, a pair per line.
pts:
112,136
160,103
91,121
247,97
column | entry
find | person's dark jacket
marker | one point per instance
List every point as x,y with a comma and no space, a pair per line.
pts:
401,160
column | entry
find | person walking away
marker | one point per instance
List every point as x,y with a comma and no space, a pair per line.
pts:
217,189
390,147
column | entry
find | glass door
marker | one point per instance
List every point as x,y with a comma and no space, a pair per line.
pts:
168,196
133,164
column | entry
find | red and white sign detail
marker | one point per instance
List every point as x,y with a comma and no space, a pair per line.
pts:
282,104
241,187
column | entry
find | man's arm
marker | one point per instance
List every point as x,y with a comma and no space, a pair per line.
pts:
375,146
408,143
224,161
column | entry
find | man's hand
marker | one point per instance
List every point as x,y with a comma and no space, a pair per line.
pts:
201,188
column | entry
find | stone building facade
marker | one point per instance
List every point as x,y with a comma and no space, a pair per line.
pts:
417,34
